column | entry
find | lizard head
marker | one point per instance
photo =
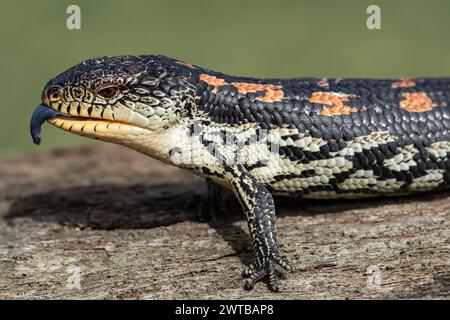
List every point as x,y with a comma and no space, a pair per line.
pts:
115,99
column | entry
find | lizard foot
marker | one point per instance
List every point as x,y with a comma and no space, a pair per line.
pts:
257,271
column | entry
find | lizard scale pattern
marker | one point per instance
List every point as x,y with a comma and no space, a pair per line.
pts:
305,137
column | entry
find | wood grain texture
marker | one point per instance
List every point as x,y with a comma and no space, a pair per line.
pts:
132,228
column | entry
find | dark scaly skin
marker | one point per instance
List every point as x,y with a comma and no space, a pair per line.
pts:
377,107
335,137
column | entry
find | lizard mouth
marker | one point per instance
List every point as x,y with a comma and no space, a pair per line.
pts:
92,127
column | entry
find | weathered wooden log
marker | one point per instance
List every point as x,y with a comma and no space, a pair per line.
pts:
105,222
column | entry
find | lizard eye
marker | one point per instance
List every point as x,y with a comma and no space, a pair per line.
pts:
108,92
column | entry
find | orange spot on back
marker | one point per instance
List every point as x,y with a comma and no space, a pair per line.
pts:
187,64
416,102
213,81
334,103
272,92
403,83
323,83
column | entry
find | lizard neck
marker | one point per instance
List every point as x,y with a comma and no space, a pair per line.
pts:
160,144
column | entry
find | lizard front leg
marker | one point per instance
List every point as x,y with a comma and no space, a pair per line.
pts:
259,209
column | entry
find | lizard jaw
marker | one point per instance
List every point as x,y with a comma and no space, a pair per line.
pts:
107,130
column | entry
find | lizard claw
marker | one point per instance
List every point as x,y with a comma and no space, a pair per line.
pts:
257,271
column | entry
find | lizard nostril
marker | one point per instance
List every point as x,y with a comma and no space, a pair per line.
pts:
53,93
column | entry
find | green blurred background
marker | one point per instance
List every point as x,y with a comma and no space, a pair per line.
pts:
253,37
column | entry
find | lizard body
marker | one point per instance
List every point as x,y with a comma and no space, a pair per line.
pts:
306,137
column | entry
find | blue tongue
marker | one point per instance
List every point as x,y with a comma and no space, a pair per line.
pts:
40,114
